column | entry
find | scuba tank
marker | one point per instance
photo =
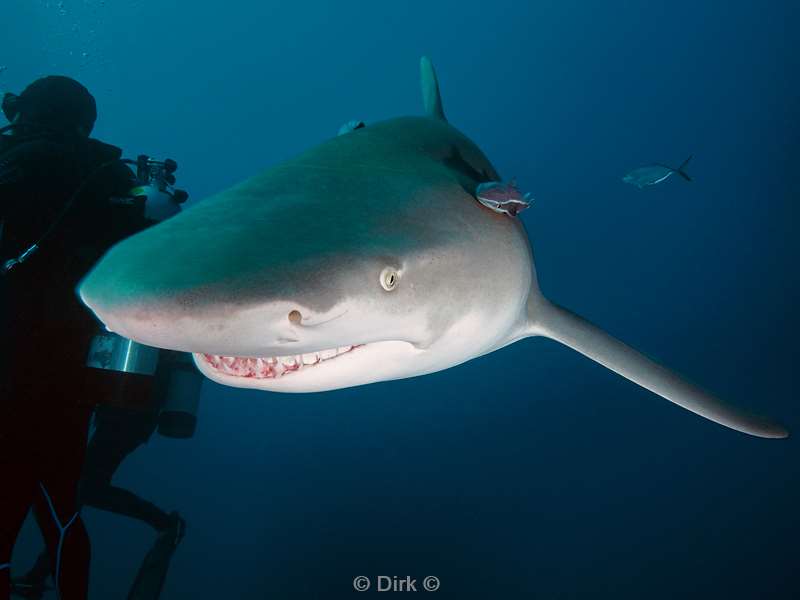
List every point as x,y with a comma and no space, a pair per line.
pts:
116,353
149,379
178,385
155,180
124,372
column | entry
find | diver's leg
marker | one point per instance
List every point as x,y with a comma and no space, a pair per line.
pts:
67,541
18,474
109,446
56,506
117,434
36,577
154,568
124,502
15,501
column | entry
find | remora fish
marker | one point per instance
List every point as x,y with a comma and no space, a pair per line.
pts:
367,258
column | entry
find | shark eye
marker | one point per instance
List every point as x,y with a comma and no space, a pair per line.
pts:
389,279
295,317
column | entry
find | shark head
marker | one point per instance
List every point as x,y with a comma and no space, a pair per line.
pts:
367,258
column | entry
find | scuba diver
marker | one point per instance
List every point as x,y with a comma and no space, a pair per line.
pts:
65,199
118,431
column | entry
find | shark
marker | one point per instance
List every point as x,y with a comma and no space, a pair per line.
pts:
365,259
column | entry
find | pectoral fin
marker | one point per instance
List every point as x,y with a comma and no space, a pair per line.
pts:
559,324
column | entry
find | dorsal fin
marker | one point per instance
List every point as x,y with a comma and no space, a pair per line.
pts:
430,90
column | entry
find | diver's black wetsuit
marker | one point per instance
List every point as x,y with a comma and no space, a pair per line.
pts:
118,432
47,392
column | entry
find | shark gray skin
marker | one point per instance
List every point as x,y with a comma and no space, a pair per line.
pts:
365,259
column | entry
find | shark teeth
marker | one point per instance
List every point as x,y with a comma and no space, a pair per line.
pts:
270,367
311,358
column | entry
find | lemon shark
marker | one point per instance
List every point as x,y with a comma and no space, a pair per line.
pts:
367,258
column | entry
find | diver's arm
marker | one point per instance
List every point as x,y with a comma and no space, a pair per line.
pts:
32,171
117,181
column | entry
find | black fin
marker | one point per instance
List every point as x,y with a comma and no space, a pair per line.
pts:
680,170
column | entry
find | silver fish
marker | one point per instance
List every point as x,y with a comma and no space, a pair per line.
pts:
655,173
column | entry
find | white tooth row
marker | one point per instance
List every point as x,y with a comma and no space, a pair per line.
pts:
270,367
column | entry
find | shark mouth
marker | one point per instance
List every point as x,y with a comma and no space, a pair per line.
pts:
273,366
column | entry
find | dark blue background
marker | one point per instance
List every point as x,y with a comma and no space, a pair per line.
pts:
531,472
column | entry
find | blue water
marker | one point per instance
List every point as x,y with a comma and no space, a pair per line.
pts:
532,472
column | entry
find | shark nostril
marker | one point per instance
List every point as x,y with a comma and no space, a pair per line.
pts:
295,317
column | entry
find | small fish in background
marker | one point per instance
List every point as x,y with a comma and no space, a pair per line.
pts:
653,174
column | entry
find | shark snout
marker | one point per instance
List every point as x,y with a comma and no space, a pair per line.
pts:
205,322
224,329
